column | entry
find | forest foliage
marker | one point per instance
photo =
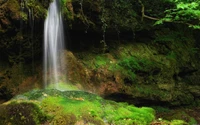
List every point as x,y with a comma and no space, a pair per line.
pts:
184,11
134,15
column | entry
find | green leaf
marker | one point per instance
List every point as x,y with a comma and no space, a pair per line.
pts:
158,22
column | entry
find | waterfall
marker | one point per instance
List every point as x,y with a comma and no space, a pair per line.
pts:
53,45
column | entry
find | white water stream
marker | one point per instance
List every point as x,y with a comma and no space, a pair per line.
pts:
53,45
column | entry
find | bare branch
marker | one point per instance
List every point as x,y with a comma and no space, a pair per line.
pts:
143,14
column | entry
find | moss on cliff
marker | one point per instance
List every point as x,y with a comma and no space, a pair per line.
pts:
157,68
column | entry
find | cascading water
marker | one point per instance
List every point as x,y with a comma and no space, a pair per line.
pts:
53,45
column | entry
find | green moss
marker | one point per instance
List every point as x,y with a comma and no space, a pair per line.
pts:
130,63
92,119
128,66
160,109
152,92
67,119
124,61
170,36
101,61
22,113
160,121
192,121
38,11
178,122
70,107
24,16
128,115
78,107
96,61
67,9
179,116
62,86
171,55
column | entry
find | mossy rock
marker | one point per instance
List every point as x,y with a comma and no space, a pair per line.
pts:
71,107
21,113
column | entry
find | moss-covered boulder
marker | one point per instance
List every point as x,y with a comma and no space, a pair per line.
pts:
21,113
70,107
54,107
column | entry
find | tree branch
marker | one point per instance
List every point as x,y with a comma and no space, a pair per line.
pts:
143,14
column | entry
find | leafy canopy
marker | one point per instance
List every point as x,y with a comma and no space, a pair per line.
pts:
184,11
